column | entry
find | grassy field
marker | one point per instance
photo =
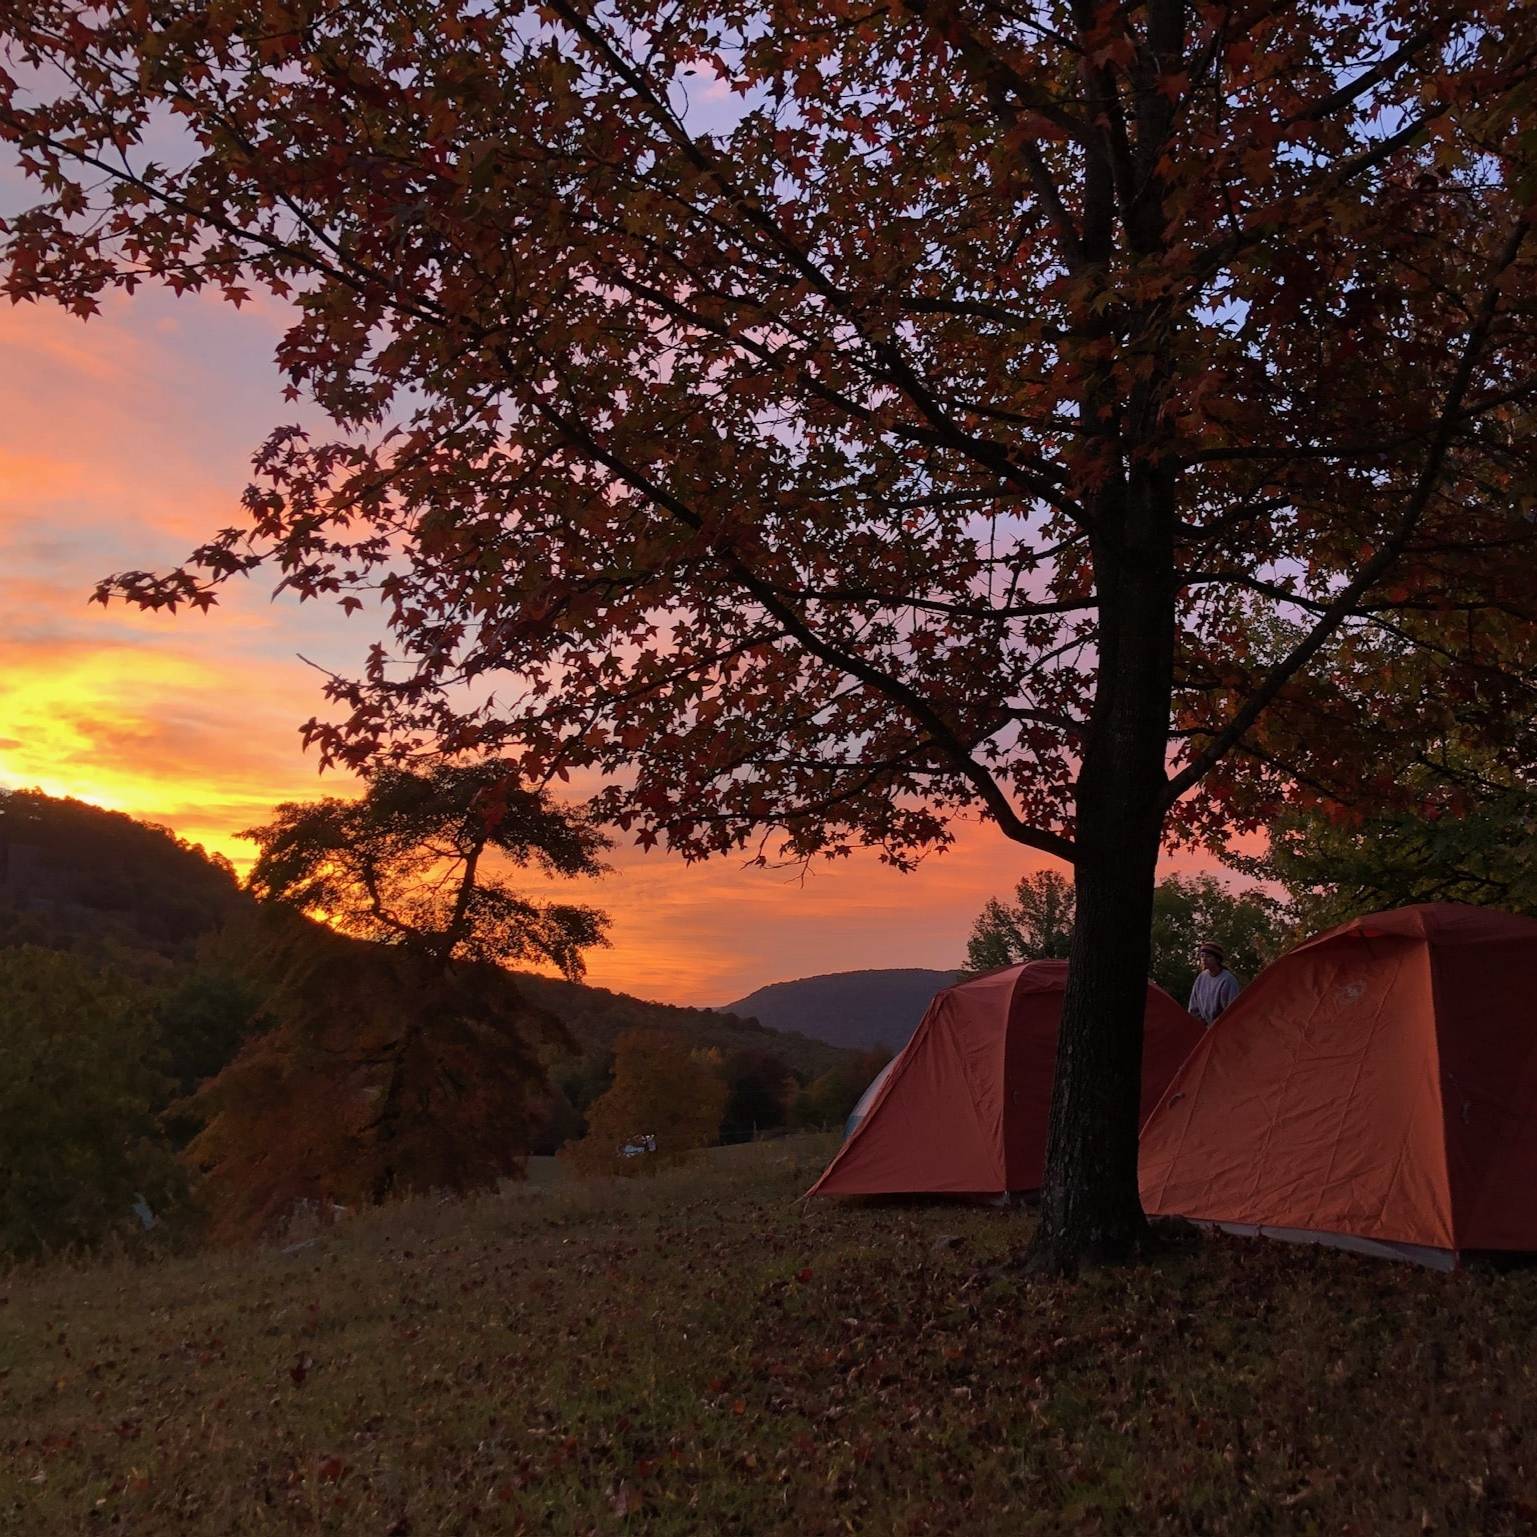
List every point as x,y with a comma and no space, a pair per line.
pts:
699,1353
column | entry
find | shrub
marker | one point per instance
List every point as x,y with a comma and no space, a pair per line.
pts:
81,1075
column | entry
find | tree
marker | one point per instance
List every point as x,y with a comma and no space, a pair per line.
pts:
922,424
1037,925
664,1103
406,863
1477,844
405,1060
1249,924
828,1101
81,1076
384,1074
204,1016
758,1089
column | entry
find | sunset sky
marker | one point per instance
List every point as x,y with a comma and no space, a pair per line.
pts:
123,442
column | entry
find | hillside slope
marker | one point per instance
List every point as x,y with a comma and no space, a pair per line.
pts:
853,1009
703,1355
595,1016
76,877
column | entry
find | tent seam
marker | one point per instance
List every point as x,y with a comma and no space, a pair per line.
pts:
1454,1237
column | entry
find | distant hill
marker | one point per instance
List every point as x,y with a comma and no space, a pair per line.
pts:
853,1009
73,876
595,1016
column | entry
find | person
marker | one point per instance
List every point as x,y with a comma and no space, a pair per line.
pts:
1215,986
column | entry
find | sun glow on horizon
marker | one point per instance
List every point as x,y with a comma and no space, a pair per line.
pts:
167,737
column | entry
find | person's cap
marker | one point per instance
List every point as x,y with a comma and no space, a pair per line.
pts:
1208,947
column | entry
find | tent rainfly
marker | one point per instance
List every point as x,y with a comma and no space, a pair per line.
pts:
963,1108
1374,1089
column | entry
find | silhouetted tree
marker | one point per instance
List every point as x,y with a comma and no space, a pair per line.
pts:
1251,925
411,862
1036,925
405,1059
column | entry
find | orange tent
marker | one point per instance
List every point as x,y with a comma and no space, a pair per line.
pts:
964,1106
1376,1088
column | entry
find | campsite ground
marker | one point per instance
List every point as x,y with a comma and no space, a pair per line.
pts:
698,1353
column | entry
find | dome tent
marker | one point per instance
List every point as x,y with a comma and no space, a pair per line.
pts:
1374,1089
963,1107
862,1104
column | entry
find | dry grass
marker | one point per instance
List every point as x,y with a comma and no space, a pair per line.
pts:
701,1354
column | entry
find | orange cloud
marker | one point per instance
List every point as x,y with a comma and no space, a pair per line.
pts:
709,933
199,744
124,439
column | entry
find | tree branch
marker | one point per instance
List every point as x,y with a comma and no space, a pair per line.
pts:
944,736
1344,603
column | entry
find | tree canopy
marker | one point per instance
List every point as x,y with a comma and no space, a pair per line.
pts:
1037,925
821,421
408,862
1482,849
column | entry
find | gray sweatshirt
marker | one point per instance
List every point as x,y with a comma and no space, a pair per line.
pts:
1212,994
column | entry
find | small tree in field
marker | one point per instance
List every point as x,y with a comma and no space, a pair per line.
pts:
825,420
664,1103
403,1059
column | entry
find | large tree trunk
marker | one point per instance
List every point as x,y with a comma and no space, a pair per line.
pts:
1090,1208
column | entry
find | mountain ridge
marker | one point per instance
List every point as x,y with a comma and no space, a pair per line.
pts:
856,1010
